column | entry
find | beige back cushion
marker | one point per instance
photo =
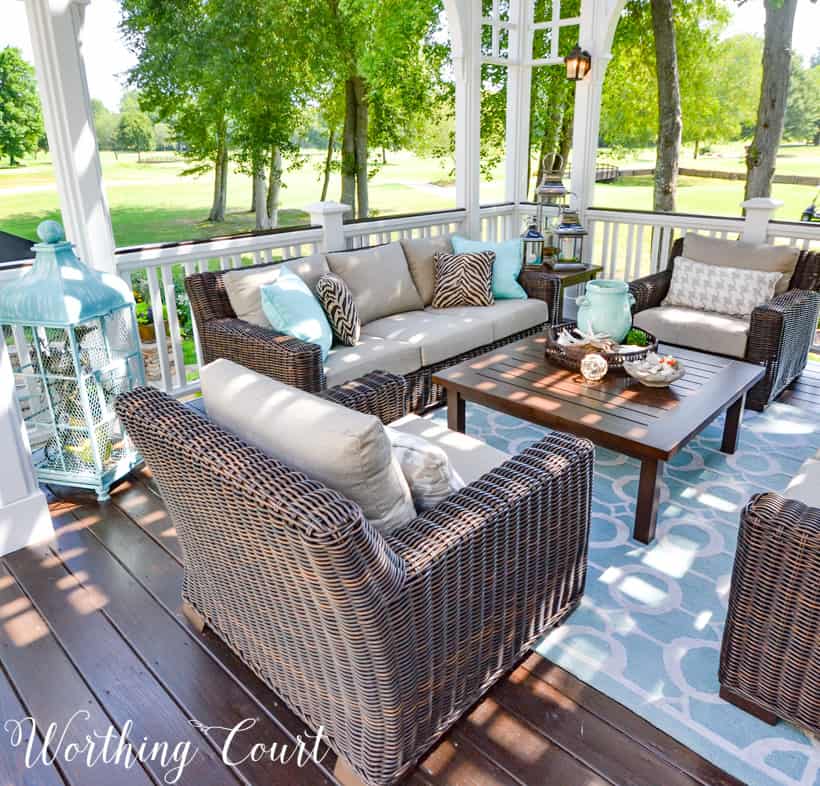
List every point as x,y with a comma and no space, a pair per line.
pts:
379,280
728,253
243,286
347,451
421,259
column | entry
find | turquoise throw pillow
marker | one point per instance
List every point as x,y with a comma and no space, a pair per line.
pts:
291,308
507,267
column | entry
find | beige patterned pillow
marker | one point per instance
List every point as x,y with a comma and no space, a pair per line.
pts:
725,290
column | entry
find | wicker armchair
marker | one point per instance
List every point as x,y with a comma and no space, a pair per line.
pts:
769,663
781,331
382,641
297,363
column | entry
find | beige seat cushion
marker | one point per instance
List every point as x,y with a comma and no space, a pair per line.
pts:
346,363
379,280
439,334
421,259
243,285
689,327
507,316
805,486
728,253
471,458
347,450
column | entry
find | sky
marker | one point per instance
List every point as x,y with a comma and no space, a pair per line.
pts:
107,59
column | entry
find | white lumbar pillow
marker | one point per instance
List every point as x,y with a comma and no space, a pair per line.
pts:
426,467
346,450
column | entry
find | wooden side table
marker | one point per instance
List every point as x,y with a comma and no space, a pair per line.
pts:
569,279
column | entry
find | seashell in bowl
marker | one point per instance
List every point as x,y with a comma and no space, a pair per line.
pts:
655,371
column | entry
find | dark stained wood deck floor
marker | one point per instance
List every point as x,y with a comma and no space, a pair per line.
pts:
92,623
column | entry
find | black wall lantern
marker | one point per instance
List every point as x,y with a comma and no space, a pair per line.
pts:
578,63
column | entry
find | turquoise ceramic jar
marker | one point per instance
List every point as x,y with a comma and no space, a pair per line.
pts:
606,308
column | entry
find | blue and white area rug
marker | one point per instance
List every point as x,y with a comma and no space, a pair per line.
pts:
649,628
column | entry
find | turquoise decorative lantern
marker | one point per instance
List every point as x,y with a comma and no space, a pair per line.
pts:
75,332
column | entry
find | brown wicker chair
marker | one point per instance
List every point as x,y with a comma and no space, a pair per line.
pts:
781,332
382,641
222,335
769,663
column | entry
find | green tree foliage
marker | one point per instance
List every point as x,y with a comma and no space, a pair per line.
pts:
105,124
802,121
21,121
135,132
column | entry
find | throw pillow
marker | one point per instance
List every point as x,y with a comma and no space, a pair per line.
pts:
464,279
421,259
291,308
337,301
728,253
426,469
379,280
346,450
507,268
726,290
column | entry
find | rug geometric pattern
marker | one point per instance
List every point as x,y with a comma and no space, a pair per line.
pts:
649,627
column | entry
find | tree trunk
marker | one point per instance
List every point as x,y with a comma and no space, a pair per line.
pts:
361,148
260,186
697,148
761,155
565,140
220,179
328,162
669,112
274,186
349,149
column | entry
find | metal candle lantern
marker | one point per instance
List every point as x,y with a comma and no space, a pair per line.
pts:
75,333
551,197
532,244
570,237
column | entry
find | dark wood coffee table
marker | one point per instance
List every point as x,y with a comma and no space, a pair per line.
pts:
650,424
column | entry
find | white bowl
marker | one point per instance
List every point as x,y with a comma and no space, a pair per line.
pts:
652,373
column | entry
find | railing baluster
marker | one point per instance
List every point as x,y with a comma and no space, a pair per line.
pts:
638,271
167,273
605,245
629,262
613,255
159,329
190,269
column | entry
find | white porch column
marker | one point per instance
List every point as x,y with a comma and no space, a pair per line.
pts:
55,27
519,82
464,18
599,18
24,516
759,211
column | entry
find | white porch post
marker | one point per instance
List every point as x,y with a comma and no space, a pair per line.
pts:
759,211
464,17
24,516
599,19
329,216
55,27
519,82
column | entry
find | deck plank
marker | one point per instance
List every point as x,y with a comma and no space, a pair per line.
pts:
28,651
205,691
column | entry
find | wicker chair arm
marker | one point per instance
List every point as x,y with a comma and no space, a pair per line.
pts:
377,393
790,318
650,291
264,350
546,488
540,285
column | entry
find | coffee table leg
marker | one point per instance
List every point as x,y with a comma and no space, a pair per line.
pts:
646,513
456,412
731,429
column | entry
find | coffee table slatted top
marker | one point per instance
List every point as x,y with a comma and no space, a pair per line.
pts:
617,412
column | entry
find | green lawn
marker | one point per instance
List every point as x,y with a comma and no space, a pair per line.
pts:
153,202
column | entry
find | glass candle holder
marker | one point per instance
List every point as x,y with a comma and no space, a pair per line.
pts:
594,367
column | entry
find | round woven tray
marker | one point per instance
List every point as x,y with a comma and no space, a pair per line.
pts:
571,357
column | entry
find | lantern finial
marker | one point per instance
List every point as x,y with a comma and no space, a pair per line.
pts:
51,232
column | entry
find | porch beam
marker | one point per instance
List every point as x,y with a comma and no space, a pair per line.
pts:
56,28
519,85
464,18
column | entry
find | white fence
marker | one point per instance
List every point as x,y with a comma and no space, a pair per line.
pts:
627,244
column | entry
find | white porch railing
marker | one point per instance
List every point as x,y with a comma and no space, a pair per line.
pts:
375,231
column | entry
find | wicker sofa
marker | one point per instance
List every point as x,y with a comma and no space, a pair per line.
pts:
769,663
384,641
778,336
469,331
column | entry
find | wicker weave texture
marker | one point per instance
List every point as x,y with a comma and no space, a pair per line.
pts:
297,363
780,333
383,642
771,644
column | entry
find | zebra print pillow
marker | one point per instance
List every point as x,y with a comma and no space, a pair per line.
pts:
337,301
464,279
